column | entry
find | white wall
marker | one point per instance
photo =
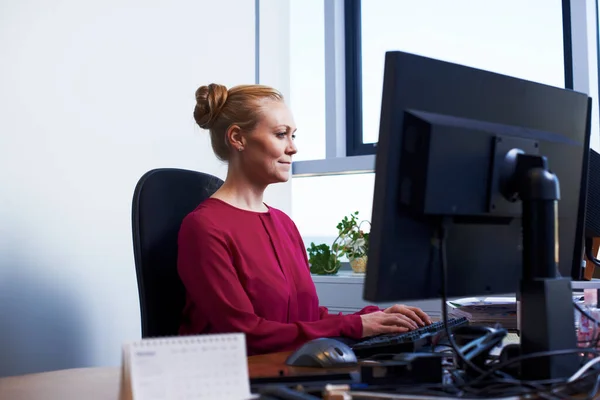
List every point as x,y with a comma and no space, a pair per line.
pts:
94,94
274,70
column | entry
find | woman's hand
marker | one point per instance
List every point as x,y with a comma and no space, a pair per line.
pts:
380,322
414,314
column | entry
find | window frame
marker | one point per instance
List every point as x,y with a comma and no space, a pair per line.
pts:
345,151
353,46
353,49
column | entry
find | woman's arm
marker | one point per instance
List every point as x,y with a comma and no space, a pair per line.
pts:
324,312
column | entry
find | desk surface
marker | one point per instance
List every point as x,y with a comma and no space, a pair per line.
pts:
81,383
103,383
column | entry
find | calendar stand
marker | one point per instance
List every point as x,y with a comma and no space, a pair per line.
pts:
198,367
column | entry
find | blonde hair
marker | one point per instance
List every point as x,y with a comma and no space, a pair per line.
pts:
217,109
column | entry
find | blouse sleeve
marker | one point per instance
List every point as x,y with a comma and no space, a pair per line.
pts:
324,312
206,269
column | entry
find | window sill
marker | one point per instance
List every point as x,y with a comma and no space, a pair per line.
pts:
342,277
334,166
344,293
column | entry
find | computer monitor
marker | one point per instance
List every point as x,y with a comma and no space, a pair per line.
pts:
484,248
488,156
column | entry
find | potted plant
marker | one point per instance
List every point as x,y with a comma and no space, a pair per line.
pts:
323,260
353,241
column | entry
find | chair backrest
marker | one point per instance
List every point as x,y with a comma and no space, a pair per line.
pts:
162,198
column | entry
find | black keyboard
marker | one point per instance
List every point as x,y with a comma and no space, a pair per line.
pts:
407,342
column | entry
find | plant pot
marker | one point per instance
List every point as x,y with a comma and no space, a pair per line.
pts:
359,265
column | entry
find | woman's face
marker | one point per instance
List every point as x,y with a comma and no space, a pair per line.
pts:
268,150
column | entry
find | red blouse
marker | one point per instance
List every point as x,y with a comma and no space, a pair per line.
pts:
248,272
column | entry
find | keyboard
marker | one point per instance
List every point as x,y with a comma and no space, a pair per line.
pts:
407,342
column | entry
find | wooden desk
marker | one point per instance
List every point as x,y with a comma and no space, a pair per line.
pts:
103,383
81,383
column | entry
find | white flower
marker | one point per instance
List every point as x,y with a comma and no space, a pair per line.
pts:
358,245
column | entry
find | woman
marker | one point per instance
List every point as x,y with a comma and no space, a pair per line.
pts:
242,262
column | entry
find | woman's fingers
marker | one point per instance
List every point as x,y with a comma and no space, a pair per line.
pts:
424,317
399,320
414,313
393,329
396,308
411,323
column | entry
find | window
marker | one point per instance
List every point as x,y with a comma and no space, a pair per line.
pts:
513,37
519,38
321,202
307,77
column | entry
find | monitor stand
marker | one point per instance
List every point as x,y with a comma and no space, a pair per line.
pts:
547,320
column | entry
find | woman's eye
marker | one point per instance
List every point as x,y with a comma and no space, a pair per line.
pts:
282,134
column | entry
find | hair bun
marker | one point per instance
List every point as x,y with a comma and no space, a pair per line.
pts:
209,103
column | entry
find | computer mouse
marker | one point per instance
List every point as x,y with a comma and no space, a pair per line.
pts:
323,353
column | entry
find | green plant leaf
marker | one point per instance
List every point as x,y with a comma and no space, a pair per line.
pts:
322,260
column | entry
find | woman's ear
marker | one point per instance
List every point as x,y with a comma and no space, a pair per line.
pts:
235,138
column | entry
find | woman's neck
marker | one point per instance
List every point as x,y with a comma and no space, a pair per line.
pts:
241,193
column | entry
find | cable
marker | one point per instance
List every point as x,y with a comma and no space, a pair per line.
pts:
492,381
551,389
583,369
498,381
445,223
506,363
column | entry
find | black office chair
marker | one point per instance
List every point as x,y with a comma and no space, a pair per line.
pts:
162,198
